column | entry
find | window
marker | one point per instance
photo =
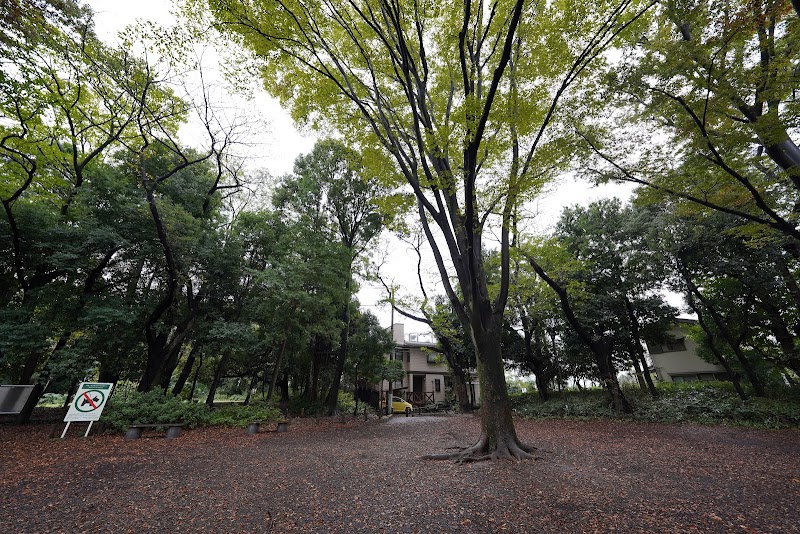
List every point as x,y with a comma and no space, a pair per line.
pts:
433,358
703,377
437,385
402,354
676,345
673,345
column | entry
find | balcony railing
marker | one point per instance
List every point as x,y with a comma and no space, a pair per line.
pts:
419,398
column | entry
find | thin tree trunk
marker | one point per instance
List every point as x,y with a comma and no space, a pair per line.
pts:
341,355
276,371
220,371
285,386
637,368
312,389
600,347
194,378
758,387
533,358
186,371
639,350
250,388
734,377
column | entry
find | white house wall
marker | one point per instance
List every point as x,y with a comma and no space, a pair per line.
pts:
683,362
416,364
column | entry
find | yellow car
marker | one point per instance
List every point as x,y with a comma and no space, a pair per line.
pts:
399,405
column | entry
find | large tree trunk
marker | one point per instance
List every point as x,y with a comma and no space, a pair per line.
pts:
498,438
108,375
155,360
162,348
28,370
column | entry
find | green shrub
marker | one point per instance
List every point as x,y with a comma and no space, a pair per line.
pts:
697,402
150,408
345,404
305,407
52,400
240,416
584,404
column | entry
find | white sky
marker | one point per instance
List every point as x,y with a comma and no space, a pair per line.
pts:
277,143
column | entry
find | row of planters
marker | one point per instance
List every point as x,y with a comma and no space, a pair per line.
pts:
699,402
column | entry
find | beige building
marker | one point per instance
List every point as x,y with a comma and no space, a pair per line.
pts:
677,361
428,378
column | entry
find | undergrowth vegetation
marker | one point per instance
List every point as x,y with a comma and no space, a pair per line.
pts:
154,407
699,402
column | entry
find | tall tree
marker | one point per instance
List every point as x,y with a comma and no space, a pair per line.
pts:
711,89
332,192
68,102
621,272
461,98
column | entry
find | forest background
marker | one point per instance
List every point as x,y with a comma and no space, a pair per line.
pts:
138,250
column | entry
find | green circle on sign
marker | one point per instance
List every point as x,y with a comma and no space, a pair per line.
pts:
89,400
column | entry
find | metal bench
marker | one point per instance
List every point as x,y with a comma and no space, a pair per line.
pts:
19,400
173,429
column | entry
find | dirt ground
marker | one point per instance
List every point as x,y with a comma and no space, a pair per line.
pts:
327,476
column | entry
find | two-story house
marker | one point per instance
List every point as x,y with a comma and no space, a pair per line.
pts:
676,360
428,378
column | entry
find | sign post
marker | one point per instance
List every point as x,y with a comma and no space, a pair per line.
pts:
88,404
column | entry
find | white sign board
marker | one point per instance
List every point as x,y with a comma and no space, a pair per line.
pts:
89,402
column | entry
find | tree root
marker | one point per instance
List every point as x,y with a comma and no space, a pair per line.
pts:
506,449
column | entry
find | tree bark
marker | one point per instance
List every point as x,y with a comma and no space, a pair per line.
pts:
601,347
220,371
638,349
498,438
755,381
186,371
